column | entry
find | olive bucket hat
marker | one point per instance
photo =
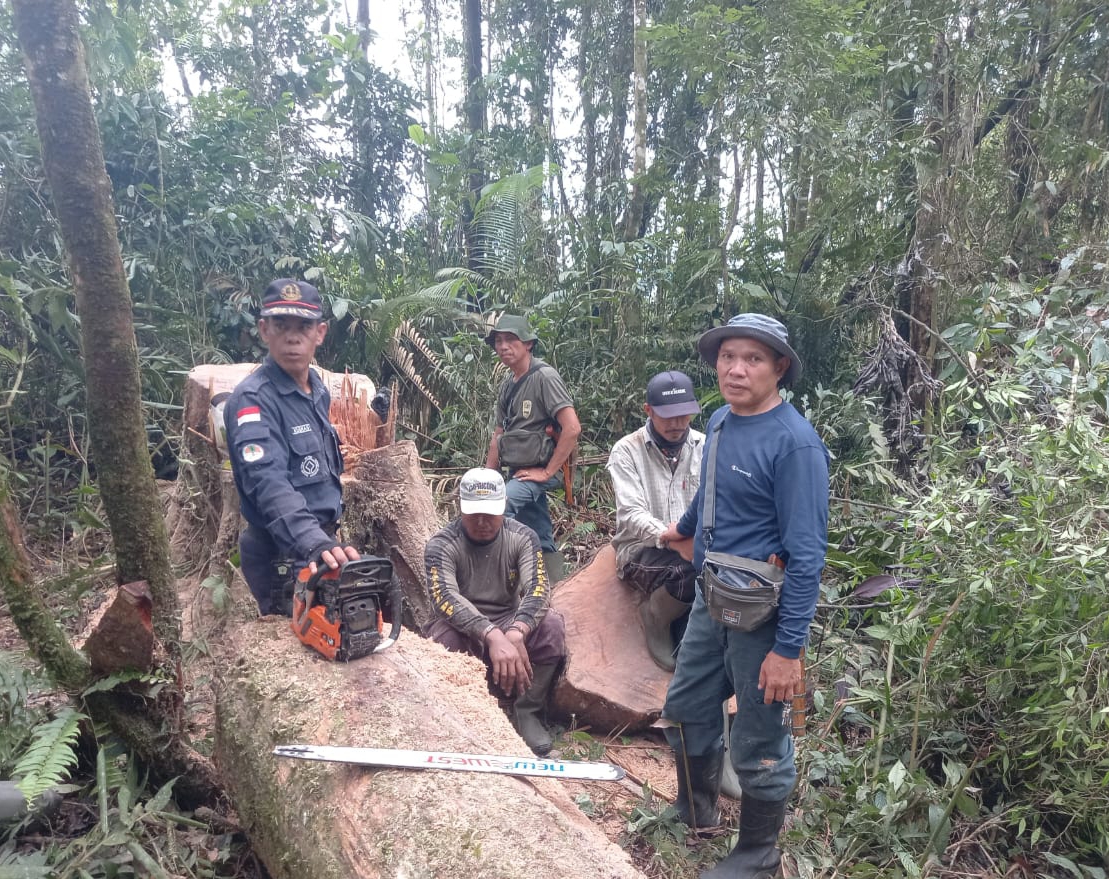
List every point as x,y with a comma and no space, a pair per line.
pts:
511,323
759,327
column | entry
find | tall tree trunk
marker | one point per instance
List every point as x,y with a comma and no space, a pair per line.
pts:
363,18
431,46
587,89
634,216
74,163
474,107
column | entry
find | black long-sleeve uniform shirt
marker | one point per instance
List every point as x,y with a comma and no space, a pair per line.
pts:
286,460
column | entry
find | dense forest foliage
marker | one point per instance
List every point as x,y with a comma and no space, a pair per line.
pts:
917,188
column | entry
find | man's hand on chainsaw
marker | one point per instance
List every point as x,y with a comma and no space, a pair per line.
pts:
511,665
333,558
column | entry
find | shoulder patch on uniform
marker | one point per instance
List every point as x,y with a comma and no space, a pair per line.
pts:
301,428
253,452
248,414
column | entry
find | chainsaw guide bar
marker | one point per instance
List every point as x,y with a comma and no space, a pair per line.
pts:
497,763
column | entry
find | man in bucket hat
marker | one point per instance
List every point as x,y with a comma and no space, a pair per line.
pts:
284,452
532,405
655,472
771,503
490,597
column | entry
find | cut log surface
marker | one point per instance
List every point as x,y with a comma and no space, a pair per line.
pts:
121,632
611,683
331,820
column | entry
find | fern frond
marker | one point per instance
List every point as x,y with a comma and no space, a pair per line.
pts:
51,754
124,677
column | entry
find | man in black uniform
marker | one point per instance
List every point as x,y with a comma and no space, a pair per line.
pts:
284,452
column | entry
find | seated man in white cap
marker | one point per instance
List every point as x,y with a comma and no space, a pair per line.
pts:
655,473
490,596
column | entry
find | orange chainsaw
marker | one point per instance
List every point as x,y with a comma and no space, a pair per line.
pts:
341,612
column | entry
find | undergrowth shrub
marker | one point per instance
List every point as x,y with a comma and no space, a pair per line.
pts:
973,712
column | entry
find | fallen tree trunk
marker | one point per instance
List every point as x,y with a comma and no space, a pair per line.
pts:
323,820
348,822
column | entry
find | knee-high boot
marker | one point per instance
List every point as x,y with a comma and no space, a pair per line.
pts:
756,855
698,788
527,712
657,612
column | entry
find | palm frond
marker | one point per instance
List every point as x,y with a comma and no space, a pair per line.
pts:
501,218
406,367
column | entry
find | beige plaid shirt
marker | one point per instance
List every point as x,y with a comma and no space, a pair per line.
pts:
648,496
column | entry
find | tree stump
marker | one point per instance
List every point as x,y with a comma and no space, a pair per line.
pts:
611,683
388,506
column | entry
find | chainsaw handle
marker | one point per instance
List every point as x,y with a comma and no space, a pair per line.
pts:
396,602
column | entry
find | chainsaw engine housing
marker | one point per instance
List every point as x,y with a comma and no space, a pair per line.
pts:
341,613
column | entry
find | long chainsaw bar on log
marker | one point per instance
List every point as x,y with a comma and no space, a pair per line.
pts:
498,763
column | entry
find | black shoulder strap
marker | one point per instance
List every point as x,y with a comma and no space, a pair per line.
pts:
709,516
514,387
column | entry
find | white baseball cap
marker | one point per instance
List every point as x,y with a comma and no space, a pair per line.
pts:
482,491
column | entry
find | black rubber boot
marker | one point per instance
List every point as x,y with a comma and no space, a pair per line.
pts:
555,565
698,788
527,712
756,855
657,612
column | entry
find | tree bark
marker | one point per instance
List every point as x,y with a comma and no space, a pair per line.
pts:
474,111
74,163
347,822
69,669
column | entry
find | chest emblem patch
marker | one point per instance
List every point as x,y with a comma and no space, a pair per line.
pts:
310,465
253,452
525,409
301,428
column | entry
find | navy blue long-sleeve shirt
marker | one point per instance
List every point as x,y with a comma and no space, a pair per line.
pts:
771,498
285,457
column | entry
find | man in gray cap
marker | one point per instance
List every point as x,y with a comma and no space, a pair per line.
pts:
535,430
655,472
770,503
490,597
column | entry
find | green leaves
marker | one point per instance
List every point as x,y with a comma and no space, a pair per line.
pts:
51,754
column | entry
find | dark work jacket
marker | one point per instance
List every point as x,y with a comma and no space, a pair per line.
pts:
286,460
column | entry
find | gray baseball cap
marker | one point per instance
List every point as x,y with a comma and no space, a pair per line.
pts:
759,327
512,323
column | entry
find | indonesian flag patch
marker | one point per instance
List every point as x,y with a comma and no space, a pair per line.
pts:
250,413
